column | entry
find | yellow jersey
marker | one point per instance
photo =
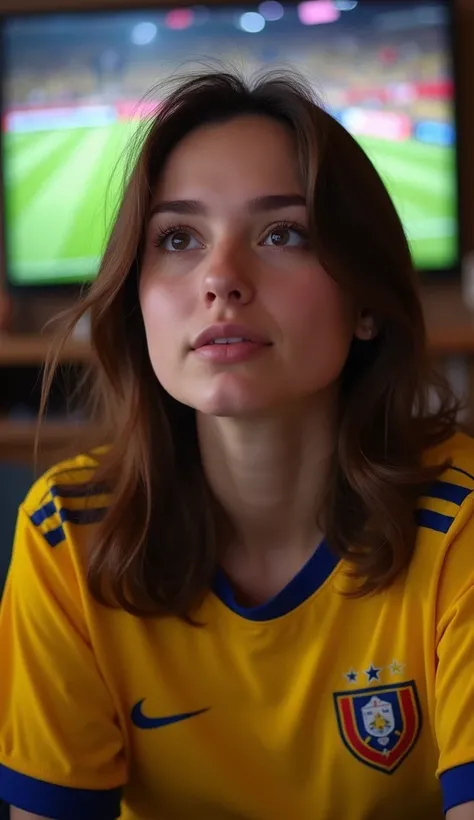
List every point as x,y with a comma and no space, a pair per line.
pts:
313,705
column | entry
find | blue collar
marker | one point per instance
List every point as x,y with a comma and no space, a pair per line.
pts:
310,577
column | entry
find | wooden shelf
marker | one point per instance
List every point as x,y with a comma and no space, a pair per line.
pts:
52,432
58,440
24,349
450,325
451,340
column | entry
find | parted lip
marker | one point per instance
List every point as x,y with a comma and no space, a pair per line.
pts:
228,331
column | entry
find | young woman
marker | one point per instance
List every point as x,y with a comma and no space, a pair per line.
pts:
256,602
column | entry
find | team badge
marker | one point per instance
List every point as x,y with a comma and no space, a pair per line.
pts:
379,725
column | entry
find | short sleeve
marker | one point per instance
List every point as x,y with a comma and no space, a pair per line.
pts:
61,748
454,685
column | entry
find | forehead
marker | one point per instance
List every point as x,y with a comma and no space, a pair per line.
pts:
250,155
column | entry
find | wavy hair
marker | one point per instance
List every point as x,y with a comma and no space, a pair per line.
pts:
157,548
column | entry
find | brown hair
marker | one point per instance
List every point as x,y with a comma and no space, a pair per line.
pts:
157,548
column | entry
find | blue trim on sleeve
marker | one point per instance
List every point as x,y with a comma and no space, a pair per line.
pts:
447,491
457,786
57,802
54,537
434,520
302,586
44,512
460,470
79,491
90,515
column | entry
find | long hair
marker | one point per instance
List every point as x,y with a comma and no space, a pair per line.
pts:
158,546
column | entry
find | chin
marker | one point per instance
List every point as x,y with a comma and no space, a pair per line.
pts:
230,408
227,395
232,403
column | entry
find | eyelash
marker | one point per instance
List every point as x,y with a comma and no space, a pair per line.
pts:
162,234
292,226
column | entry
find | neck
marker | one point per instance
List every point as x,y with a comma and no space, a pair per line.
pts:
270,473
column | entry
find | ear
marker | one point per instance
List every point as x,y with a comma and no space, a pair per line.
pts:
365,328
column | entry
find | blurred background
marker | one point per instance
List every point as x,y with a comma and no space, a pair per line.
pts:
75,84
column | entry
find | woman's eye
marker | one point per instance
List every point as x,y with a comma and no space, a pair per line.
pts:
285,237
180,241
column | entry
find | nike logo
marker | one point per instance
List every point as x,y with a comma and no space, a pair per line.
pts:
143,722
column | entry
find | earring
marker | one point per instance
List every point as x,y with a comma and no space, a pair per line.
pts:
366,329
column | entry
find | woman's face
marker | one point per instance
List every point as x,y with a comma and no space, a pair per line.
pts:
240,317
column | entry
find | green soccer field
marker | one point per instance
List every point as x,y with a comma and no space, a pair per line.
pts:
422,181
62,188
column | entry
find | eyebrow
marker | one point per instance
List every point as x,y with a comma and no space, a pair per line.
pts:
260,204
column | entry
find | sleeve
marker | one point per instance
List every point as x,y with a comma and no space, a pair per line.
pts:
454,683
61,748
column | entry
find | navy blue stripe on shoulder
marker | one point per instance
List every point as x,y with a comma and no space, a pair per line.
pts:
57,478
91,515
85,490
461,471
54,537
433,520
88,515
60,802
44,512
447,491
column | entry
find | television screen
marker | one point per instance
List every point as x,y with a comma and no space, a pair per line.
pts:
75,88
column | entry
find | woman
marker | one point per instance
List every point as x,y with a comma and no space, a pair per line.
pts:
257,602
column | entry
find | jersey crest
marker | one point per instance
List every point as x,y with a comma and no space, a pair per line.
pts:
379,725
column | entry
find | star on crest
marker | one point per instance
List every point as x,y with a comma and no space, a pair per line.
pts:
351,676
373,672
396,668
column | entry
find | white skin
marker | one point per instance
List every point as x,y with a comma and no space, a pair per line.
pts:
266,426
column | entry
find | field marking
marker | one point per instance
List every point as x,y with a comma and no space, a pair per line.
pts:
393,171
19,164
431,228
95,215
35,231
57,270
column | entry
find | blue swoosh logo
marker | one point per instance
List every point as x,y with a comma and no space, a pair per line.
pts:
143,722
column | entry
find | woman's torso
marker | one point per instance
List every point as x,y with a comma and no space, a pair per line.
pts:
325,709
313,705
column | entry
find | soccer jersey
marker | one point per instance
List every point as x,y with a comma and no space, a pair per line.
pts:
312,705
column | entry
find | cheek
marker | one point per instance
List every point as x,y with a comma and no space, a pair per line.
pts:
165,307
164,304
317,325
316,311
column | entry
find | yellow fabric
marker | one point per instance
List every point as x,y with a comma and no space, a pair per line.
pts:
339,709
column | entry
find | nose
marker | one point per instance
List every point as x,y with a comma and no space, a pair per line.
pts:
225,280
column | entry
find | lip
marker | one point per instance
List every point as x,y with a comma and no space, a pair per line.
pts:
228,331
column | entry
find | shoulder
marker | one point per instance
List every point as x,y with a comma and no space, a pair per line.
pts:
65,497
445,516
53,532
458,451
446,504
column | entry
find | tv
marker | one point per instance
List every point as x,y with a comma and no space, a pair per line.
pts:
74,89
